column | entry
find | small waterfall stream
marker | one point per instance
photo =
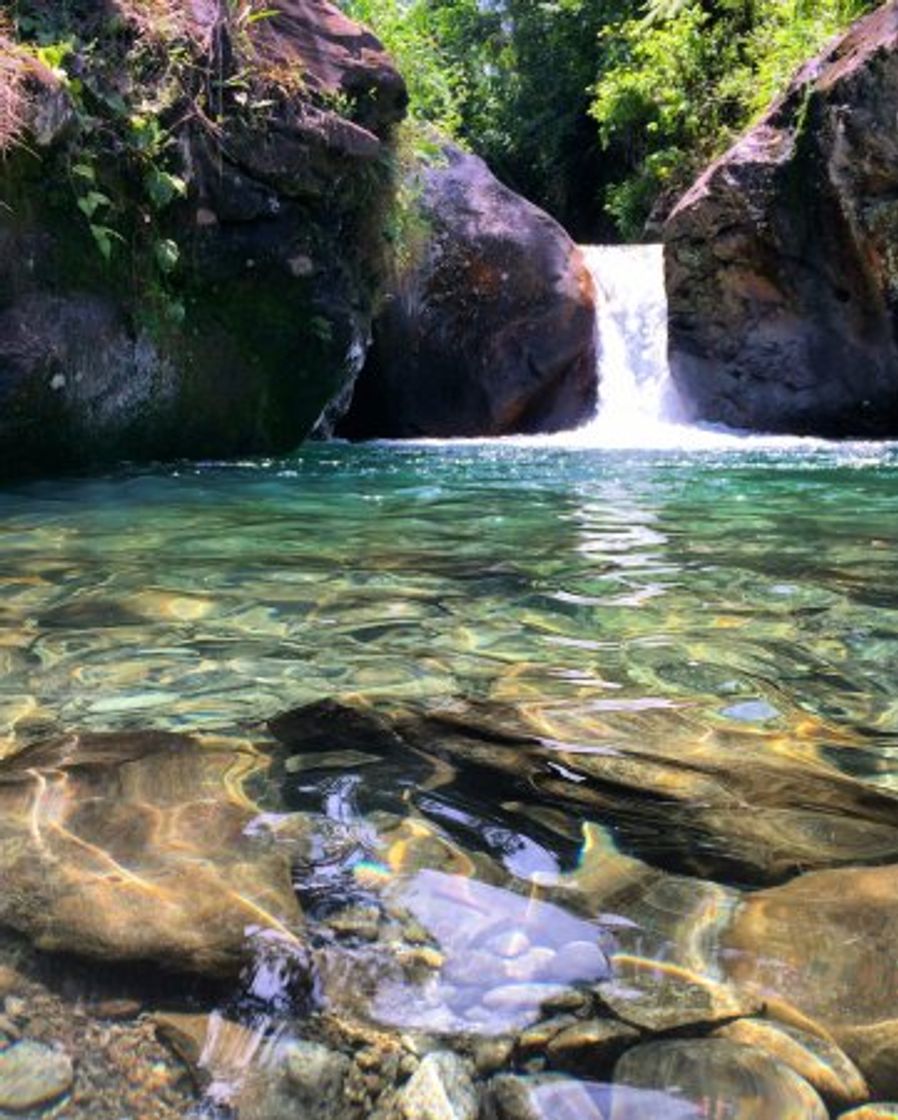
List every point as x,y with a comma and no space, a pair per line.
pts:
638,403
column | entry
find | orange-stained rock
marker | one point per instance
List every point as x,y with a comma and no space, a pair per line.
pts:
134,847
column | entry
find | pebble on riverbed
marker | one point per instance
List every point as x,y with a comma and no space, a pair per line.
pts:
33,1075
440,1089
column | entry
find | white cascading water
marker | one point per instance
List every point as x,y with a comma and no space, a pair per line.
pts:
638,404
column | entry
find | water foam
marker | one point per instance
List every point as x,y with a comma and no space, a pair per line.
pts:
639,407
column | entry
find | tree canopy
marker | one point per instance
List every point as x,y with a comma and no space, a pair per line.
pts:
599,110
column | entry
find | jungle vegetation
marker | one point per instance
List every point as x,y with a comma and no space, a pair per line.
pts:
601,111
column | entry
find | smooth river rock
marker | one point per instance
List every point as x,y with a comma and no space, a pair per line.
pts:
874,1047
825,942
781,266
821,1063
728,1080
543,1097
33,1075
134,847
491,331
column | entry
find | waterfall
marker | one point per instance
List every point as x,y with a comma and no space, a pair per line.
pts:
638,403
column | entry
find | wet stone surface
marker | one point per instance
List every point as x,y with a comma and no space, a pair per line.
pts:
33,1075
719,1076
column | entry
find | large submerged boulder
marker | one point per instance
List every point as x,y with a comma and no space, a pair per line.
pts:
138,846
782,260
192,209
492,331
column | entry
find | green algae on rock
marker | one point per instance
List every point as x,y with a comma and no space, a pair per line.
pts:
190,255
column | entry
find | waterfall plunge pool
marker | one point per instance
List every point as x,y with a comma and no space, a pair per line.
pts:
623,743
521,779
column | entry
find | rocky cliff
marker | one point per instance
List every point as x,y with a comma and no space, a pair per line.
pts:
192,203
782,260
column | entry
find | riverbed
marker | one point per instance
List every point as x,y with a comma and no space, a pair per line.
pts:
545,734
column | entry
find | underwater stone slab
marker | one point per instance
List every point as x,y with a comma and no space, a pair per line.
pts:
658,996
821,1063
134,846
755,816
724,1077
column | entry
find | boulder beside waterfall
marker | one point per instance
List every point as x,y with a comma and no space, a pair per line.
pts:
782,260
492,331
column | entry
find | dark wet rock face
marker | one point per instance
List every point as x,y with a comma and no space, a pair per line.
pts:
224,321
781,269
492,332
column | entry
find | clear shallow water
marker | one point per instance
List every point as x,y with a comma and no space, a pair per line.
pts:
748,591
690,659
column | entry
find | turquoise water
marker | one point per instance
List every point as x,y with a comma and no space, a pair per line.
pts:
639,696
747,590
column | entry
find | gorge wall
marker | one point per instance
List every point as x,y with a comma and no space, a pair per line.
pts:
782,260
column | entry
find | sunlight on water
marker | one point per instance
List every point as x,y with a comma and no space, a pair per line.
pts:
614,735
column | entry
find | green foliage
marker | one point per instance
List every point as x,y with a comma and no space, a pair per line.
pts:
122,159
685,78
598,109
436,83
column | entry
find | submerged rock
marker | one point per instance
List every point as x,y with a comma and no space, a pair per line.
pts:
874,1047
492,331
721,1077
781,267
658,996
821,1063
134,846
706,806
261,1074
33,1075
876,1110
441,1088
545,1097
823,941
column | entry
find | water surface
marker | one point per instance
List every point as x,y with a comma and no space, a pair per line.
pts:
690,659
